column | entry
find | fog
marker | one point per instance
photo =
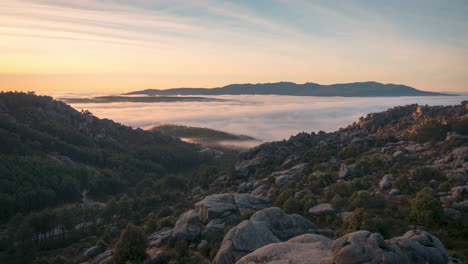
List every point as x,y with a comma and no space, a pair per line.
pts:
266,117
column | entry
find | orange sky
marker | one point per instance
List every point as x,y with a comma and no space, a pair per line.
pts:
54,45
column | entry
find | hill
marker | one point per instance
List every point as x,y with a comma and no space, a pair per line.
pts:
305,199
358,89
50,153
204,136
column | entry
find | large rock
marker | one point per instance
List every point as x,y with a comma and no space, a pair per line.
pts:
365,247
228,207
285,176
260,190
304,249
421,247
245,167
322,209
213,230
92,252
243,239
386,182
102,257
284,226
457,175
461,206
270,225
414,247
187,226
161,237
344,172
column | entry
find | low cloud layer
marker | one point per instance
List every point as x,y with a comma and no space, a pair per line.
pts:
266,117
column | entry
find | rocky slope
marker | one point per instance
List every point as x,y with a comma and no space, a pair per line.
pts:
363,194
340,197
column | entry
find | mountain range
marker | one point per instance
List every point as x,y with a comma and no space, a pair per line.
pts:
357,89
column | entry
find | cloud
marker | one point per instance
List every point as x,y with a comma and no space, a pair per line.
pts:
267,118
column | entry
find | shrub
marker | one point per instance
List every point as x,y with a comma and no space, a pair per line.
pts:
431,131
426,209
131,245
402,183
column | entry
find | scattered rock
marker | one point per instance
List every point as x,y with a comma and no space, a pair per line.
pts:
386,182
228,207
345,215
461,206
284,226
243,239
283,177
187,226
394,192
213,230
344,172
304,249
322,209
260,190
101,257
202,245
398,155
92,252
161,237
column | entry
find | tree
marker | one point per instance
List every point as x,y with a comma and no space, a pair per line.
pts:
426,209
131,245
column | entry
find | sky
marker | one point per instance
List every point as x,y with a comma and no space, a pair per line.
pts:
126,45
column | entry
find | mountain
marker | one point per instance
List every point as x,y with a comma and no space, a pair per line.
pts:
358,89
205,136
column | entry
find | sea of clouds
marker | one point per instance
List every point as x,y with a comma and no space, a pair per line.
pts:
266,117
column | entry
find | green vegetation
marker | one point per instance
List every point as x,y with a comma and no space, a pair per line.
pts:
131,245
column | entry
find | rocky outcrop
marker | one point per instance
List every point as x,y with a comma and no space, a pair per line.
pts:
285,176
187,226
308,248
283,225
344,172
92,252
414,247
322,209
213,230
386,182
161,237
228,207
105,257
209,218
243,239
265,227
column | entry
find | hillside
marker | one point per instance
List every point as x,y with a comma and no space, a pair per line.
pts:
204,136
358,89
362,194
307,199
51,154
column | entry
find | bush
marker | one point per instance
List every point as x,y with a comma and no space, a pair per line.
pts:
402,183
431,131
426,209
131,245
362,220
426,174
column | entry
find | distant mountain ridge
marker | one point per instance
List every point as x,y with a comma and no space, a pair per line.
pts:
357,89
